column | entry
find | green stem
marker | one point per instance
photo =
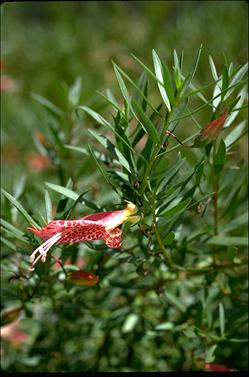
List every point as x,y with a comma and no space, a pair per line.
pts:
148,169
164,251
154,156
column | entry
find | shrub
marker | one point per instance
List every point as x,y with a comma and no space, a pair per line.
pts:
173,297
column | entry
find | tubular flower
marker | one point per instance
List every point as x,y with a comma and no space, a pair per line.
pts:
82,278
99,226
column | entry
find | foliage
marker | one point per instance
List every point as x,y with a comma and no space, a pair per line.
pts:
175,296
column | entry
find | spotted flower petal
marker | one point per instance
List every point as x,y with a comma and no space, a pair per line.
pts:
99,226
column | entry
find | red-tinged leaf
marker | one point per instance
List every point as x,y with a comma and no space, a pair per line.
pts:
212,129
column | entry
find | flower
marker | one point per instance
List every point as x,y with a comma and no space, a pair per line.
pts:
14,334
99,226
82,278
37,162
217,368
7,84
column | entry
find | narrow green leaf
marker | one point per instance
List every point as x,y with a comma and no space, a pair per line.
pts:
159,75
180,207
19,186
230,69
222,319
228,241
20,208
213,68
99,166
189,78
234,108
140,91
209,357
15,231
63,190
198,92
235,134
47,104
108,145
169,239
8,243
141,86
176,113
225,81
102,140
220,157
168,84
95,116
236,223
238,76
172,172
56,135
121,158
77,149
234,340
110,99
177,69
196,62
165,326
104,122
48,206
146,122
122,85
175,301
74,92
130,322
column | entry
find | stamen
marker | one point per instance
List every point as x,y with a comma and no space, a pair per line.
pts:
43,249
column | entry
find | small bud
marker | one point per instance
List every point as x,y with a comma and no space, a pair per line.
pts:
211,130
82,278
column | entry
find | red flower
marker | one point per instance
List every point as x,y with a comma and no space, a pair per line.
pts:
217,368
37,162
100,226
40,137
82,278
13,334
7,84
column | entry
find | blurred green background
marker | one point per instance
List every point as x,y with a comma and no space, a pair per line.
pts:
45,47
